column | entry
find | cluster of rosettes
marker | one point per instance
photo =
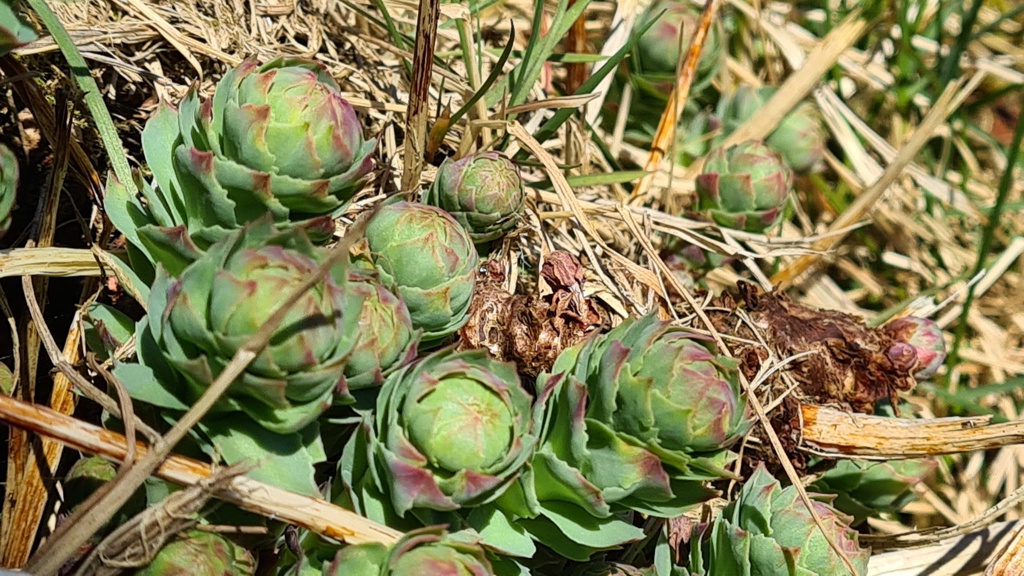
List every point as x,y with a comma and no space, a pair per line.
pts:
246,187
245,190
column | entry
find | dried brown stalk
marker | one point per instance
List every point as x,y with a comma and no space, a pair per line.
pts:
313,514
839,434
27,483
419,94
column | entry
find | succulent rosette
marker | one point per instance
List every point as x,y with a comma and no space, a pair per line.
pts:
745,187
428,259
9,177
659,51
799,138
276,138
768,529
920,347
386,338
638,419
484,192
423,552
200,552
453,430
866,489
198,320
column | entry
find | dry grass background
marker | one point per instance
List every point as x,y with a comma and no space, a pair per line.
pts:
906,245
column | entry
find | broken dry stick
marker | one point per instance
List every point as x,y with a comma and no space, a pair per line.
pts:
311,513
839,434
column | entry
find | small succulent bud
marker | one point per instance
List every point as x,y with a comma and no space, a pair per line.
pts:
199,553
799,138
920,348
744,187
484,192
428,259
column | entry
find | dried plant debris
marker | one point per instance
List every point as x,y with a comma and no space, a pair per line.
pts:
531,330
841,360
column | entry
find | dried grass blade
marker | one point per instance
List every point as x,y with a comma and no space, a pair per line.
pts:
935,117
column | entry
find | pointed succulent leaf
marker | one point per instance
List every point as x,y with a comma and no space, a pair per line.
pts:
800,137
276,138
453,430
866,489
14,32
386,339
660,49
639,417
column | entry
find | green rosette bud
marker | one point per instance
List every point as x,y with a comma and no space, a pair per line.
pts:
768,529
200,553
9,178
484,192
386,338
428,259
453,430
799,138
867,489
199,320
920,348
276,138
745,187
423,552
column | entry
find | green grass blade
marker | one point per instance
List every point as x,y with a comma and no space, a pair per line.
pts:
93,98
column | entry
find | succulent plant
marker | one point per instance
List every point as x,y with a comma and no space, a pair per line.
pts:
611,569
199,320
744,186
639,417
450,431
386,338
866,489
85,477
275,138
420,552
14,32
428,259
800,137
767,529
484,192
200,553
659,51
920,347
9,176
